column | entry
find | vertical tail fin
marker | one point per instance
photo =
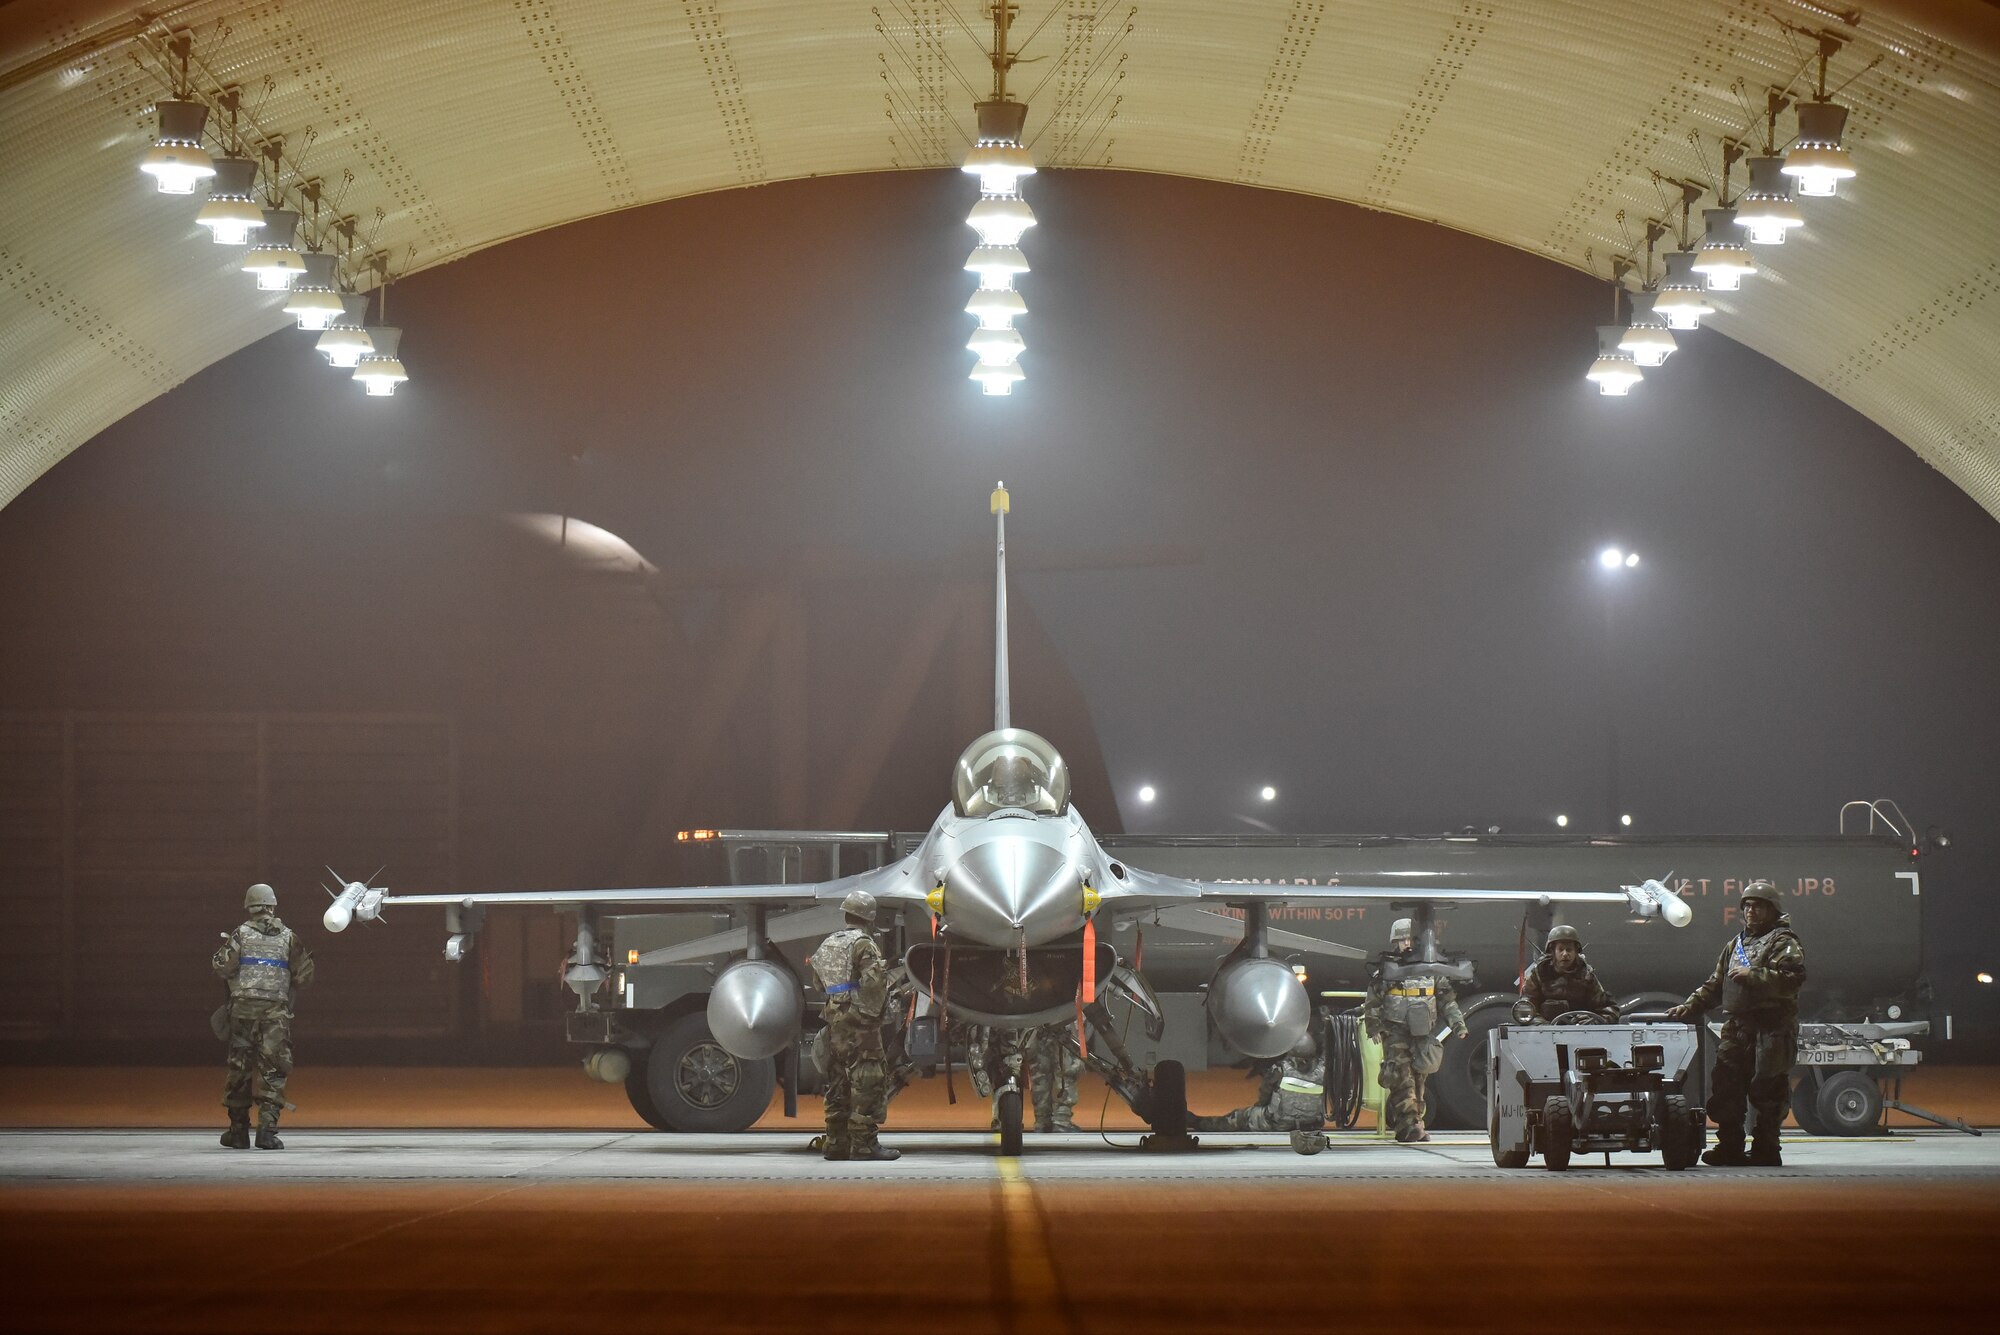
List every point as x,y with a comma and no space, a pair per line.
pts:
1001,705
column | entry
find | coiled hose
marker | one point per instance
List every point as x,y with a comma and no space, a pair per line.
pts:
1344,1073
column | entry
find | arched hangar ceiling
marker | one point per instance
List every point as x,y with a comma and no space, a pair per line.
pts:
1536,123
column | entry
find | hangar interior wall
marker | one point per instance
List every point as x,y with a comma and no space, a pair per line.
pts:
126,841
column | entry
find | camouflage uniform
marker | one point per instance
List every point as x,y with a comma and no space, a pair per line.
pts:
264,964
1753,1060
1292,1096
1056,1064
850,967
1405,1018
1552,992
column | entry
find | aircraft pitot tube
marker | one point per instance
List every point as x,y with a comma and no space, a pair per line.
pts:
1258,1005
755,1008
355,900
1653,899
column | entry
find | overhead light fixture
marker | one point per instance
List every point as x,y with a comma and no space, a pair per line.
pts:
177,162
315,300
1268,793
1147,793
997,345
997,266
996,307
1625,820
1631,560
1816,160
1679,300
1722,260
231,213
1646,338
379,369
345,341
1611,558
1000,159
1562,822
1614,372
274,259
997,378
1766,211
1001,219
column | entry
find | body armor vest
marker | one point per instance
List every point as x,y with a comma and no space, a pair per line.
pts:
1749,951
833,962
1563,992
1412,1004
1301,1091
263,965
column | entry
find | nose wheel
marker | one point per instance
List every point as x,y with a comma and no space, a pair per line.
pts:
1007,1111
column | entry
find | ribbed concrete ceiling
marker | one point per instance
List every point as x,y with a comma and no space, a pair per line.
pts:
1536,123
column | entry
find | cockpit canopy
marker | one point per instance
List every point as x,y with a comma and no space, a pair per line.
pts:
1010,769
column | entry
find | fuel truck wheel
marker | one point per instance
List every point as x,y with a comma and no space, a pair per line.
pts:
1457,1092
641,1098
696,1085
1557,1132
1805,1104
1007,1107
1850,1104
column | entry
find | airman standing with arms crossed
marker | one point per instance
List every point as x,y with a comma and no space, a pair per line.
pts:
1563,981
850,967
1405,1016
264,964
1757,981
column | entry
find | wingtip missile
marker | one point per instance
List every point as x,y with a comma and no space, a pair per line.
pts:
356,899
1654,899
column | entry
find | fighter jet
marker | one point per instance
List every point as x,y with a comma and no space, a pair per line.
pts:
1016,890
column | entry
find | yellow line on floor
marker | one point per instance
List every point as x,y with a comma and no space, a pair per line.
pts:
1031,1270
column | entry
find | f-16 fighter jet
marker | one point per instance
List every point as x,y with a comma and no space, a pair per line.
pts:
1018,895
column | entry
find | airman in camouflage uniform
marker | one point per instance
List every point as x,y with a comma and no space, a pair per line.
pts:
1563,981
1055,1064
1292,1096
264,964
1405,1017
849,965
1756,980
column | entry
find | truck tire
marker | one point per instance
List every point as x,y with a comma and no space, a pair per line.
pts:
1850,1104
1457,1092
636,1091
1678,1146
1805,1104
695,1085
1557,1132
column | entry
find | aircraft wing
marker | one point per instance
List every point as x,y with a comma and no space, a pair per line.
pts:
1142,891
890,883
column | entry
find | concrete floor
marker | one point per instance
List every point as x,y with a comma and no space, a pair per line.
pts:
576,1231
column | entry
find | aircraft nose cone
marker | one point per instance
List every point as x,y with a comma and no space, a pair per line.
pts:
1008,888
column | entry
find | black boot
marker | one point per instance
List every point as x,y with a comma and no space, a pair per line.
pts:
1764,1151
1728,1151
237,1137
874,1153
267,1138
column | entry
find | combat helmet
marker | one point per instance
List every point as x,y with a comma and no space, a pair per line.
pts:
859,905
260,896
1562,931
1402,929
1765,891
